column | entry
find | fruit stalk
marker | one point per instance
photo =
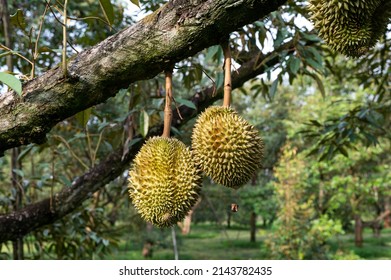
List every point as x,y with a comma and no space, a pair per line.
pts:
167,108
227,74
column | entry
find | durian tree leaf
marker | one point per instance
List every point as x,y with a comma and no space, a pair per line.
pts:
212,53
12,82
18,19
316,123
18,172
294,64
186,102
318,82
316,55
136,2
134,141
281,35
372,140
343,151
262,33
144,123
375,118
175,131
273,89
65,181
310,37
25,152
83,117
320,85
219,79
313,152
108,11
314,64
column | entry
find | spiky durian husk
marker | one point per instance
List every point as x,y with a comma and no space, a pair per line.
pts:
227,148
164,182
351,27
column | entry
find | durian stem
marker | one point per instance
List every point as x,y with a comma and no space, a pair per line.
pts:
167,108
227,74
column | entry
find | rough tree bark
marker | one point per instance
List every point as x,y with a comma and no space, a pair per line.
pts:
179,29
55,96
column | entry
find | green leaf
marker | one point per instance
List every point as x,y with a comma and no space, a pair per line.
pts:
273,89
18,172
316,123
314,64
186,102
136,2
12,82
319,82
219,79
343,151
310,37
134,141
281,35
320,85
18,20
83,116
108,10
25,151
294,64
65,181
144,123
315,53
211,52
262,33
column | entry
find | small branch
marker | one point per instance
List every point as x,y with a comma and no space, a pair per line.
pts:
15,53
227,74
167,108
64,40
35,55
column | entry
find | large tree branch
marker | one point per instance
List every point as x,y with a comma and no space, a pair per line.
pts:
180,29
23,221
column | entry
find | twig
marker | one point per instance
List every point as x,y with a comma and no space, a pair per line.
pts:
35,55
167,108
227,74
64,40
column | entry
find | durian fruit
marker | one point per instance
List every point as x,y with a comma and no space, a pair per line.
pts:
164,183
227,148
350,27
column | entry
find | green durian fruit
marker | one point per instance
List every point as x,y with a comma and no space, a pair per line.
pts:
350,27
226,147
164,182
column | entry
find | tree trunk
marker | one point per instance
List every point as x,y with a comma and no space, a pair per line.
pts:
253,226
358,230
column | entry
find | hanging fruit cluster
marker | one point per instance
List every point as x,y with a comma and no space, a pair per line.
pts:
165,179
351,27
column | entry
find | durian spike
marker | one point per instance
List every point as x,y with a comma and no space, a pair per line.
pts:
167,108
227,74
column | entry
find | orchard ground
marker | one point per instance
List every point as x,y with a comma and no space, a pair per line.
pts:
214,242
